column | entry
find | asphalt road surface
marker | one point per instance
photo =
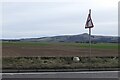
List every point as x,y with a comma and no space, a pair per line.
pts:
87,74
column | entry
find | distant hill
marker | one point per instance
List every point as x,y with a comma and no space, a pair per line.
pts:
72,38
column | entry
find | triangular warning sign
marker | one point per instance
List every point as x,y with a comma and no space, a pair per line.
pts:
89,23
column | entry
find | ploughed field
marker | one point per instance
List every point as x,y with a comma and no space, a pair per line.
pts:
34,49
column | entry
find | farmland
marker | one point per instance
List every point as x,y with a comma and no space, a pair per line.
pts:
36,55
34,49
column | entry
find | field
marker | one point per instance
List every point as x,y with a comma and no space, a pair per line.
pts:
36,55
34,49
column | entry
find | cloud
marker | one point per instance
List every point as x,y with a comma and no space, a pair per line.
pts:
36,19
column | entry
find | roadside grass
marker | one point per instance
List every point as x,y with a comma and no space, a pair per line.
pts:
58,62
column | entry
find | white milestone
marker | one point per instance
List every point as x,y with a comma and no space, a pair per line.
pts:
76,59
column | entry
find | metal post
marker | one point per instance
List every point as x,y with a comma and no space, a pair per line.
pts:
89,24
90,47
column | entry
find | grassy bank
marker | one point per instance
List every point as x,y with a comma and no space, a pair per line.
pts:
58,62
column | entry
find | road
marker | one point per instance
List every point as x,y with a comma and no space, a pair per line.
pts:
87,74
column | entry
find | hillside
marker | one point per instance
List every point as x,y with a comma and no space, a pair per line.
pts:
74,38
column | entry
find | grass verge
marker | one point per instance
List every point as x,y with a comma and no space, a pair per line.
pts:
58,62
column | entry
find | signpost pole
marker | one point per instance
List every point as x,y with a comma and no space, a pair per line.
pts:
89,24
90,47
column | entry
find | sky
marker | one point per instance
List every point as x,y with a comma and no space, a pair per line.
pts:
40,18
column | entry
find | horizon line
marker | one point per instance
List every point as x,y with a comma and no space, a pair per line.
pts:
63,35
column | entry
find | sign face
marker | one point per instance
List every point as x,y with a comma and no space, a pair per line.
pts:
89,23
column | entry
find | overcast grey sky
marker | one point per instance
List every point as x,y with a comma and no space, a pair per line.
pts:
27,19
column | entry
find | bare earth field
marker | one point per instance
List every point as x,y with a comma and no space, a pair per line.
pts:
61,49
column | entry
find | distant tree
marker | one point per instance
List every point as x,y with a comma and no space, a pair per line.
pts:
61,41
77,42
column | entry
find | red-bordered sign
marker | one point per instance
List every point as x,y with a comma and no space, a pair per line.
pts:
89,23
